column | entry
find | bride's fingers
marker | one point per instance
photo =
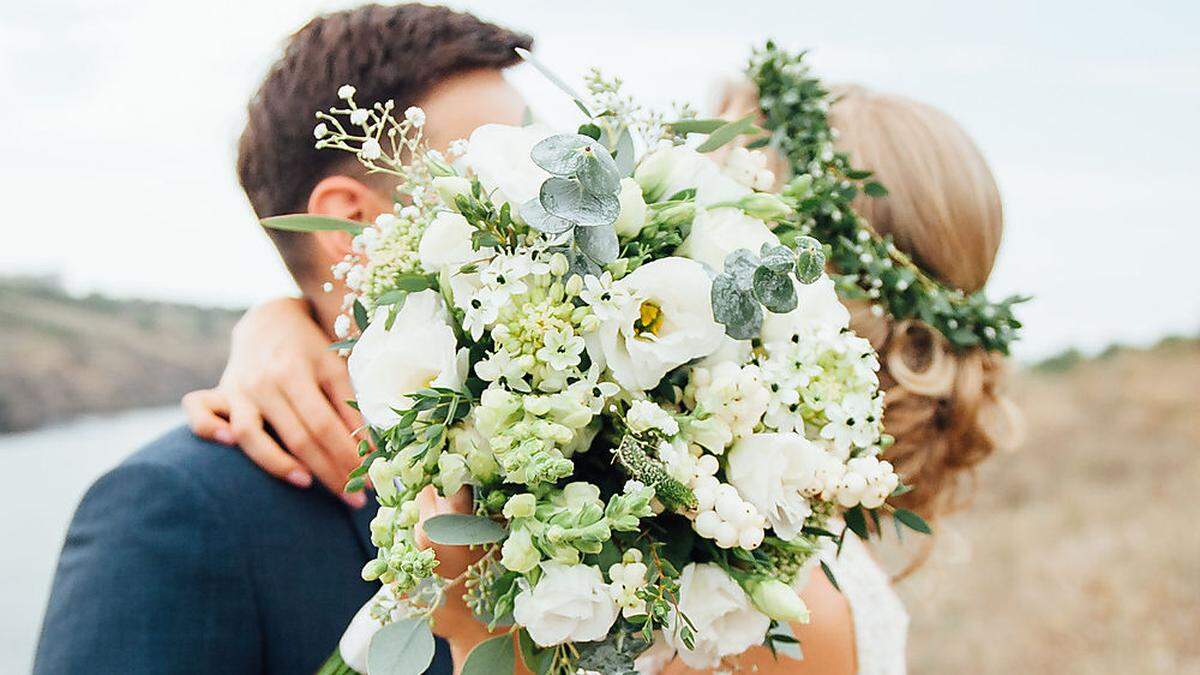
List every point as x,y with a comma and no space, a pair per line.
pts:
324,424
295,435
247,425
206,411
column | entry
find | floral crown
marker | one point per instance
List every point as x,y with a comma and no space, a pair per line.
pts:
795,107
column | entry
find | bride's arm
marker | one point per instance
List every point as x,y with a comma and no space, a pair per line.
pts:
282,373
827,640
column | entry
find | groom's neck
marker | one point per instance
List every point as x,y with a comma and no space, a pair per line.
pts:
324,306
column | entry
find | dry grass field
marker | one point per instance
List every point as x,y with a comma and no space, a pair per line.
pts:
1081,552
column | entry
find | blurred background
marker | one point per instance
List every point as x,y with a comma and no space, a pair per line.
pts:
128,249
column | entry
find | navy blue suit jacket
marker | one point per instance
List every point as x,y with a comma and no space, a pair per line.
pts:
187,558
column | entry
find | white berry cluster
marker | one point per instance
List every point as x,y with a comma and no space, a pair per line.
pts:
867,481
722,515
628,577
733,395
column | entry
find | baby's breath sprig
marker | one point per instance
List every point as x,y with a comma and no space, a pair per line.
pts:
795,107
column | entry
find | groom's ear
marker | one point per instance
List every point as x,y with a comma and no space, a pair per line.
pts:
346,198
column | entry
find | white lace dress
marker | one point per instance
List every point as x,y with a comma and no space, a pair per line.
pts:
880,620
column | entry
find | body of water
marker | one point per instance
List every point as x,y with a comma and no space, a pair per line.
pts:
43,475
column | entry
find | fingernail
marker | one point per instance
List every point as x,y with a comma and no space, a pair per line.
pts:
356,500
224,436
299,478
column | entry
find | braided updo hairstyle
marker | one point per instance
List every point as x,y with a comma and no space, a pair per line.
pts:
946,408
396,52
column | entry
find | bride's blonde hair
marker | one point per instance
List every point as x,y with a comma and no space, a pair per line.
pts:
946,408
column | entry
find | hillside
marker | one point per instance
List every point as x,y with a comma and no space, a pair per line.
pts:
1081,551
62,356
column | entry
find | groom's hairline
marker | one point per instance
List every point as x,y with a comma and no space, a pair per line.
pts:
397,52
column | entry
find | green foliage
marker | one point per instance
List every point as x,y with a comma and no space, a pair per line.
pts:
460,529
727,132
493,226
635,458
402,647
304,222
491,657
615,654
795,106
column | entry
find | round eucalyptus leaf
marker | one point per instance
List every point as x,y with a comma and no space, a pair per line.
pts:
623,153
775,291
561,154
740,264
599,173
810,263
539,219
402,647
460,529
598,242
777,258
567,199
493,656
735,308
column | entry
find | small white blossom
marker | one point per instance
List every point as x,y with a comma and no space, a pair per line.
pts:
346,92
645,415
359,116
371,150
321,130
415,116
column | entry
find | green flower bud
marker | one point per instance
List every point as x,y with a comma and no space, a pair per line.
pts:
764,206
438,167
374,569
778,601
520,506
674,215
448,187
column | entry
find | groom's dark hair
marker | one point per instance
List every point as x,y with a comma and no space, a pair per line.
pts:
387,52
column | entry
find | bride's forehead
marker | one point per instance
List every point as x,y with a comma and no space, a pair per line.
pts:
460,103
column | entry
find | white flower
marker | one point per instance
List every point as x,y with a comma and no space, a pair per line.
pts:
669,323
726,622
346,92
606,301
733,394
371,150
450,187
504,368
341,326
415,116
459,147
633,209
560,349
571,603
321,130
818,306
419,351
852,422
480,310
446,244
499,156
779,601
359,116
518,553
718,232
646,415
673,169
777,473
749,168
628,577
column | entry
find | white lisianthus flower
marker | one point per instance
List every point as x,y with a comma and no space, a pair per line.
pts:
645,415
633,209
673,169
450,187
777,473
818,306
498,154
446,244
718,232
419,351
726,621
668,323
571,603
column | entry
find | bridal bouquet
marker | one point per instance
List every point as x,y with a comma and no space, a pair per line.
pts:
620,339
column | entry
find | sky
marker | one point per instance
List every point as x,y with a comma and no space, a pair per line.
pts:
119,127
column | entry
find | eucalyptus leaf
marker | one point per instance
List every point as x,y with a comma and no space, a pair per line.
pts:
459,529
624,153
735,308
304,222
777,258
493,656
741,264
775,291
541,220
535,658
561,154
810,260
401,648
599,173
567,199
598,242
727,132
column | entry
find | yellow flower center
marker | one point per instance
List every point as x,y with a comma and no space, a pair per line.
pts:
649,321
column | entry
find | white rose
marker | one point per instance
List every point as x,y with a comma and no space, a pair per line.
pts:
571,603
419,351
726,621
668,323
670,170
498,155
633,209
774,472
718,232
446,243
818,306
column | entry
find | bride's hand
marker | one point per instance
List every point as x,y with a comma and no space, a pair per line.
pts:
281,372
